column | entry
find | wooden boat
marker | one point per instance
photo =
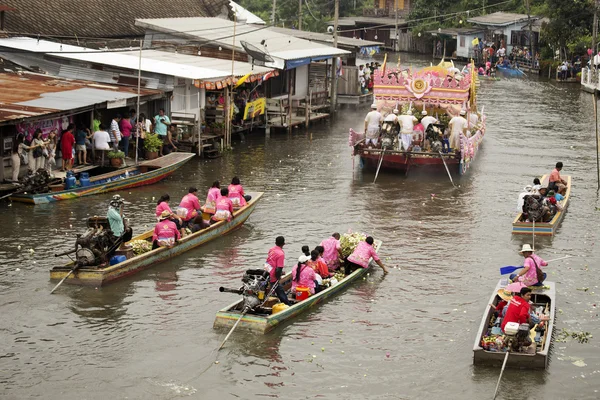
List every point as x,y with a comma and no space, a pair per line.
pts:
92,276
509,71
227,316
544,228
543,296
435,90
145,173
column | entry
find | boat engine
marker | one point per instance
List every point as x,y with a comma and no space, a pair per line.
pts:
96,245
36,182
254,285
532,208
521,340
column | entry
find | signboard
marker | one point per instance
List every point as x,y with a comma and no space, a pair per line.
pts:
255,108
58,124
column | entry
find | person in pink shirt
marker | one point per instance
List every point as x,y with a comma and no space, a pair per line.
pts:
528,275
165,233
223,208
163,205
211,199
236,193
191,204
125,127
303,275
332,251
361,255
274,264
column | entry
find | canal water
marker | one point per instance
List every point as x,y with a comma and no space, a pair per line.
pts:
407,335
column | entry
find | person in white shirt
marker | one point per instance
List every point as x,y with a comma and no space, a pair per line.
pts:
427,120
457,125
473,120
101,139
115,132
392,117
526,191
372,124
407,124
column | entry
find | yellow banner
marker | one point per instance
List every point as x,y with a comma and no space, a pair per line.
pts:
255,108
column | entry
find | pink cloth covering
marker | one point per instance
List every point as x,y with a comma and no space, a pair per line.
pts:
191,204
276,259
211,200
162,207
236,194
530,277
165,229
362,254
330,254
307,278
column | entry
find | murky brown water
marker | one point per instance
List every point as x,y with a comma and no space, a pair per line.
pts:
151,336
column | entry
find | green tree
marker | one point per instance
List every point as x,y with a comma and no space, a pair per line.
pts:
570,24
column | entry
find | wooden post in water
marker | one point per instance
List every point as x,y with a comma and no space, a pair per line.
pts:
597,138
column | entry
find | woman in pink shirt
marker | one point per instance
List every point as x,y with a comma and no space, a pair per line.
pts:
224,207
165,233
528,275
211,199
125,128
332,251
163,205
191,204
236,193
303,275
361,255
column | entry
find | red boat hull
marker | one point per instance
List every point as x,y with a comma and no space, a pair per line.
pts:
403,162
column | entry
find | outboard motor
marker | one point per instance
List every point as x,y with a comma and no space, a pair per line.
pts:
254,285
532,208
38,182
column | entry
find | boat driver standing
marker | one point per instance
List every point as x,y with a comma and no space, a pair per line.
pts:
372,124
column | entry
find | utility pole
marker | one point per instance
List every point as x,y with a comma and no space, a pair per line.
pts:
593,70
531,45
273,13
299,15
334,77
594,32
396,46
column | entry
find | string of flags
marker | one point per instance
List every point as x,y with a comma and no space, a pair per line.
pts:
223,83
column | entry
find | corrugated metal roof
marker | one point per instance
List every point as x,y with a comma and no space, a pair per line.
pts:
499,19
26,95
244,15
325,38
219,31
166,63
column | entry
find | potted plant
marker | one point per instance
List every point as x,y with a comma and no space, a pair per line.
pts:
152,145
116,157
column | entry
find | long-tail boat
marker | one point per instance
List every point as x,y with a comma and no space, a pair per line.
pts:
434,89
264,322
103,274
544,296
521,227
145,173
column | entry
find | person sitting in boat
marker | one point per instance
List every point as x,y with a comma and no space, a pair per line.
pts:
407,125
526,192
532,268
306,250
372,125
361,255
236,193
274,265
551,202
223,208
116,220
537,185
518,309
165,233
332,251
190,203
317,263
304,275
214,192
163,205
556,182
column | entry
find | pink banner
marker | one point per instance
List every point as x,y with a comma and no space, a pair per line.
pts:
58,124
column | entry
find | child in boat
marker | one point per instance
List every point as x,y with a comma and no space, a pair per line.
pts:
303,275
165,233
236,193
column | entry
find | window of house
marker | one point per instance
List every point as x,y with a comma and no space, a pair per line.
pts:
462,41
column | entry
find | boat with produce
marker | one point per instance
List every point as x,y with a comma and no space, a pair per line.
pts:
439,90
138,254
81,184
523,227
490,347
267,316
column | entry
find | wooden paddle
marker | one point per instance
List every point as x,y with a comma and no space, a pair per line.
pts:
510,268
503,366
234,326
447,170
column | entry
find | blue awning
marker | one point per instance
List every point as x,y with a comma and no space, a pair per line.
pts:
291,64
